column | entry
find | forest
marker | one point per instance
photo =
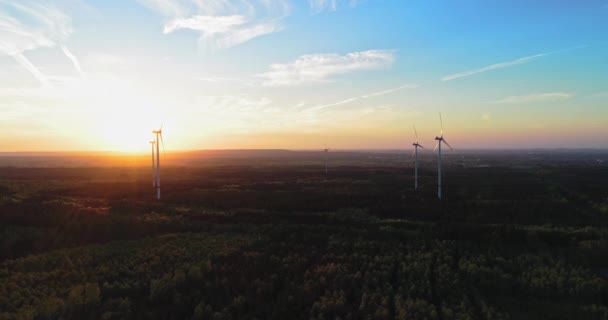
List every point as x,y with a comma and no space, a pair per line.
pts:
514,238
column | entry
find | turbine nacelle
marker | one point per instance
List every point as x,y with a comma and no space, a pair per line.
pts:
442,140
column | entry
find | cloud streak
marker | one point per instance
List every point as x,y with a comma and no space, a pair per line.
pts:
500,65
537,97
507,64
389,91
74,60
29,66
329,5
315,68
26,26
236,112
224,80
221,24
234,103
365,96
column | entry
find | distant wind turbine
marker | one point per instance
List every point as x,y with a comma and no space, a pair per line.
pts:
416,146
440,139
159,139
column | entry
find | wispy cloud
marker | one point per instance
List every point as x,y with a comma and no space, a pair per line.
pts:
234,112
61,88
313,68
218,79
26,26
537,97
224,31
365,96
221,23
105,61
507,64
169,8
29,66
330,5
494,67
247,81
72,58
389,91
226,106
333,104
226,102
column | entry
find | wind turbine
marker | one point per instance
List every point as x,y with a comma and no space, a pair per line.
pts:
159,139
153,165
440,139
416,146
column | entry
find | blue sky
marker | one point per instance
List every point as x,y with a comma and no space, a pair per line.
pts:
99,75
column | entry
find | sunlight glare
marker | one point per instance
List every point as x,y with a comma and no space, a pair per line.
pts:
126,120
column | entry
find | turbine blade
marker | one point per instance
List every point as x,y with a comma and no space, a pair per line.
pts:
436,146
413,152
162,142
441,123
420,146
416,133
447,144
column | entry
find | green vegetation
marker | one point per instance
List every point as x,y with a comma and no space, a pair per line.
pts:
286,243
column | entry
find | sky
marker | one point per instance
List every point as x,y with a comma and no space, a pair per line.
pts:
93,75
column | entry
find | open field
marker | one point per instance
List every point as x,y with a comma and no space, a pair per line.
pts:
267,235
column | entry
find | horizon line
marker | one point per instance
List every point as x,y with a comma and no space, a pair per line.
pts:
301,150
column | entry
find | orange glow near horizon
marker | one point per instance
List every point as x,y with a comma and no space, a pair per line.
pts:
116,134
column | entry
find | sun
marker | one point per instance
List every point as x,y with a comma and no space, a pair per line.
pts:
126,135
127,129
123,120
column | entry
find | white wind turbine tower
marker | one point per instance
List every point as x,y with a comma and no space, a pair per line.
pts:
416,146
152,143
159,139
440,139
